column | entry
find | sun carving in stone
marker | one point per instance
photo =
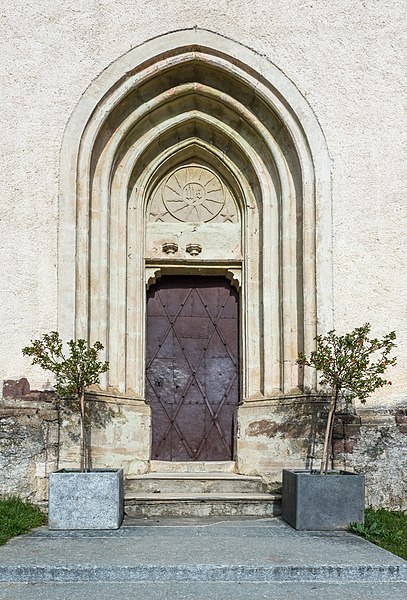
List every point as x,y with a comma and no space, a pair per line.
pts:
193,193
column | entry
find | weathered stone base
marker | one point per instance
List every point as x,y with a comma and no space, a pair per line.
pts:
374,442
118,431
279,433
37,438
288,433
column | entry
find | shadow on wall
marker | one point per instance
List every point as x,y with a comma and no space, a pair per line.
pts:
98,415
32,418
296,422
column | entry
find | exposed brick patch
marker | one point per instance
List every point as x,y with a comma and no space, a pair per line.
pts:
16,389
348,446
401,419
345,437
20,390
338,446
342,446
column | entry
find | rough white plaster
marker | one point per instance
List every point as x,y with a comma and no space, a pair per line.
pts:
348,59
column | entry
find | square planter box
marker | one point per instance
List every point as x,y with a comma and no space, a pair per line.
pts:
91,500
317,502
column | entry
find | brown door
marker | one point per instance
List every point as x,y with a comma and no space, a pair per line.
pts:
192,367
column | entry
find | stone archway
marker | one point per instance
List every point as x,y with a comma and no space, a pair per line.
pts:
193,99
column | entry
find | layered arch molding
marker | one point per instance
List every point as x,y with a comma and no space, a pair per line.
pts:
193,97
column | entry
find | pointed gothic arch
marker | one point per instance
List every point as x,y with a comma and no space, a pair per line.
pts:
194,95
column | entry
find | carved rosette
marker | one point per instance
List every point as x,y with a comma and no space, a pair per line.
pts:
192,194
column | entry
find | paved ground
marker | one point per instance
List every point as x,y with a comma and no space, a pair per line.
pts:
199,559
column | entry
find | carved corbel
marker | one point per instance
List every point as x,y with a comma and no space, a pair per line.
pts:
152,274
194,249
170,248
235,277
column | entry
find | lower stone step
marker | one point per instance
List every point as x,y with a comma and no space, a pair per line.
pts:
202,590
203,505
251,550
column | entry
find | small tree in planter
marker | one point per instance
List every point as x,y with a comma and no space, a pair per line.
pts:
73,373
88,499
352,365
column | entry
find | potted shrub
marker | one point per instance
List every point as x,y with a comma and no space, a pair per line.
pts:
81,498
351,365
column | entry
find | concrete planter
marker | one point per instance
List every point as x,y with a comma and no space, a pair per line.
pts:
322,502
92,500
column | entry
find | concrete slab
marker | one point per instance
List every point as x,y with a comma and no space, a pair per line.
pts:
92,499
228,550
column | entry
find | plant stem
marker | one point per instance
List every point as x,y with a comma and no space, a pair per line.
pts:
329,431
82,440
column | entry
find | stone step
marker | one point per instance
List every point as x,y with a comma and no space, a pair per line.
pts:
203,505
202,590
232,551
165,466
185,483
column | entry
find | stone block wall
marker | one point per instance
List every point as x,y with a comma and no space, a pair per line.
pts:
118,434
289,433
38,436
374,442
29,436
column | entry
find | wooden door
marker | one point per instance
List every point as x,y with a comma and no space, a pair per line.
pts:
192,367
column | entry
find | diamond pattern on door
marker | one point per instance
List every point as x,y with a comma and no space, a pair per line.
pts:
192,367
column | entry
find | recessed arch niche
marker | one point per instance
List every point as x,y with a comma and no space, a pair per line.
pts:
196,99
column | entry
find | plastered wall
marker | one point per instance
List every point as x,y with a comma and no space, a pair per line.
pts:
348,60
